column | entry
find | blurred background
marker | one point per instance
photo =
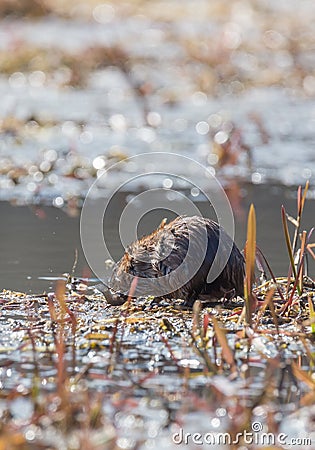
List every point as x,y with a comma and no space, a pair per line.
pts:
85,84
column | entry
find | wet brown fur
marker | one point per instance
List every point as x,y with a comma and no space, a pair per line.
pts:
145,258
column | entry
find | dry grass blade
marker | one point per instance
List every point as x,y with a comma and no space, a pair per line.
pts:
199,349
312,314
294,288
274,316
303,376
288,243
227,353
298,284
299,200
206,319
259,254
300,207
60,296
250,255
309,249
113,341
169,348
126,306
196,329
292,220
287,239
60,343
75,262
51,307
304,195
267,302
302,259
309,238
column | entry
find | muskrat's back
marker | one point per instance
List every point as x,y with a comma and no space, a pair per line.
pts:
177,258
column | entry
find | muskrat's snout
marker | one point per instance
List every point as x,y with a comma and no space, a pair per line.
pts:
111,297
189,244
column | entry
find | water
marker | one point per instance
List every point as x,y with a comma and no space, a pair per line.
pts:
41,241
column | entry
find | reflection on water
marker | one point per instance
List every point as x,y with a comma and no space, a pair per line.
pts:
41,242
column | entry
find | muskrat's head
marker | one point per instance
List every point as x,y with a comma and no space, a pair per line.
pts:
144,259
137,264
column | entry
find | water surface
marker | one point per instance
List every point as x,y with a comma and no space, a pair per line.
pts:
41,241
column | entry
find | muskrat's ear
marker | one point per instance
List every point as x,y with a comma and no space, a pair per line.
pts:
128,257
127,261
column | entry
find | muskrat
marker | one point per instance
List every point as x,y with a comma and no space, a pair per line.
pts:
174,262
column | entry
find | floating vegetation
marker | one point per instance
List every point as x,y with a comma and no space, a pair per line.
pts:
76,367
77,372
